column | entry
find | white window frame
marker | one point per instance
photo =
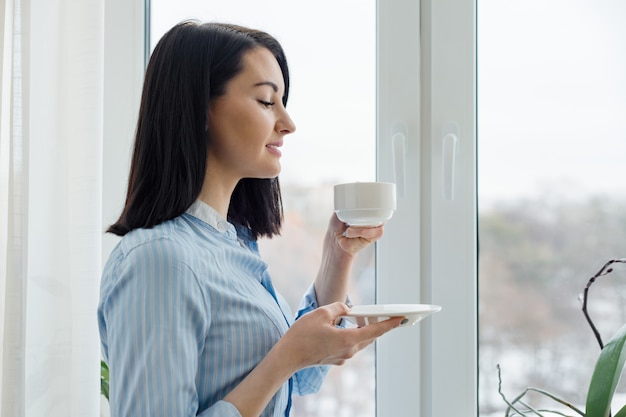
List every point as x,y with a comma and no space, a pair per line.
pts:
429,254
124,63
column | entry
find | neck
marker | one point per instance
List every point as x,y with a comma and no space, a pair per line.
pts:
217,194
218,200
218,186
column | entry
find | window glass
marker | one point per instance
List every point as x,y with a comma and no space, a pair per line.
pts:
331,50
552,195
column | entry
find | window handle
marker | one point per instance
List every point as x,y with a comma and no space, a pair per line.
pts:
450,139
398,151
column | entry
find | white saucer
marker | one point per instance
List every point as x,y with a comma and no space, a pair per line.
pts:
362,315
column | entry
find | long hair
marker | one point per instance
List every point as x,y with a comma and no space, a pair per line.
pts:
190,66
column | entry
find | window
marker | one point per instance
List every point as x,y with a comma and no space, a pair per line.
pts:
552,198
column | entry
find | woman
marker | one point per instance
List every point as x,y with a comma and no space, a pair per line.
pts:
190,323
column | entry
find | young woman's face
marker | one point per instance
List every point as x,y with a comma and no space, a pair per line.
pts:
247,124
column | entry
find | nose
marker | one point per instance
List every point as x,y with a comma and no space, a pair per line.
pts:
284,124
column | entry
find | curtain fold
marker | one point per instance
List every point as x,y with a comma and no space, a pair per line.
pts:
14,226
50,206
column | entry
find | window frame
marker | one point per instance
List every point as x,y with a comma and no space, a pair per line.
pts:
125,37
429,91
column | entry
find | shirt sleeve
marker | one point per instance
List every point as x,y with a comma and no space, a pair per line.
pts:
154,317
221,409
308,302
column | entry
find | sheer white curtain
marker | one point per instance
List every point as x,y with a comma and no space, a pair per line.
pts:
50,206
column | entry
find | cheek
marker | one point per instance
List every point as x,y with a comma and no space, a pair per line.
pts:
224,129
240,128
233,141
253,130
239,125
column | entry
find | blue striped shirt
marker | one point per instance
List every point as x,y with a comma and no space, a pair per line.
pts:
186,312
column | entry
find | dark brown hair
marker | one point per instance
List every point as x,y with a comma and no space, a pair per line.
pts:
190,66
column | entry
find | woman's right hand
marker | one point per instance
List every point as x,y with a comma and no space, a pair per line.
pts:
312,340
315,340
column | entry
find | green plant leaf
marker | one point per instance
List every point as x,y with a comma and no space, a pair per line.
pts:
104,379
621,413
606,375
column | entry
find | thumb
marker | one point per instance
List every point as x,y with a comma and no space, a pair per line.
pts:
337,309
376,330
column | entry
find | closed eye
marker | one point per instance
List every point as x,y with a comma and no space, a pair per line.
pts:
266,104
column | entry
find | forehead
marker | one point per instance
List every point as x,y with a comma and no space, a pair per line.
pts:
260,65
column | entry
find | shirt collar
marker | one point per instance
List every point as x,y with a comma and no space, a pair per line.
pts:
209,215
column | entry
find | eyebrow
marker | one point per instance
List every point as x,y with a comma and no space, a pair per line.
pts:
271,84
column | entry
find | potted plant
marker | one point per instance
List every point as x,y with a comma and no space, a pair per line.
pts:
607,371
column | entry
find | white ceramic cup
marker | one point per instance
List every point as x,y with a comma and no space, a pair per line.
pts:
365,203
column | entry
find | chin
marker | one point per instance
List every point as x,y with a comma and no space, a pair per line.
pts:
268,171
272,173
267,176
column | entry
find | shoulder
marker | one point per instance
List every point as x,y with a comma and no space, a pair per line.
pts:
171,241
167,252
159,263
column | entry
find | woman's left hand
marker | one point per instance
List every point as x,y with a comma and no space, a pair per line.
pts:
341,245
352,239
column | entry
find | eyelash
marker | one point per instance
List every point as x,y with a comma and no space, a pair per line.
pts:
266,104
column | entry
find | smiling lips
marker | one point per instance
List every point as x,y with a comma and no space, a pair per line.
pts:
273,148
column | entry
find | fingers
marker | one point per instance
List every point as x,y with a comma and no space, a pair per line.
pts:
335,223
335,310
351,239
315,340
369,233
355,239
365,232
359,338
373,331
376,330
